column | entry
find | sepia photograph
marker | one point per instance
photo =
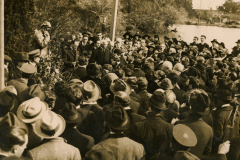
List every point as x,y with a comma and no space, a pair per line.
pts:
120,80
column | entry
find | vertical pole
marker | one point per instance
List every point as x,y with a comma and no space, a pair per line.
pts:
113,20
1,45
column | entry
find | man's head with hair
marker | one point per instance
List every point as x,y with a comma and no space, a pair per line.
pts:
13,141
74,94
173,77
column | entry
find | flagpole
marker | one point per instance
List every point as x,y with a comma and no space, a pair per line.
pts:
113,20
2,46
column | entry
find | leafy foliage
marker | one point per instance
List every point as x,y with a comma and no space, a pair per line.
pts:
230,7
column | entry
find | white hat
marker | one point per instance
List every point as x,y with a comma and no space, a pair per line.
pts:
31,110
178,67
167,64
51,125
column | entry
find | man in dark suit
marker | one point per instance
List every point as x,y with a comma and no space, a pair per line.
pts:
83,45
81,141
101,55
154,133
70,57
236,49
202,44
200,103
80,71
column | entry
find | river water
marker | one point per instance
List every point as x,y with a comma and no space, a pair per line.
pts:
227,35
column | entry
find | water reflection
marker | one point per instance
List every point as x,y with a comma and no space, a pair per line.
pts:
227,35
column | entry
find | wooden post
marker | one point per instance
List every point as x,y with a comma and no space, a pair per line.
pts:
2,45
113,20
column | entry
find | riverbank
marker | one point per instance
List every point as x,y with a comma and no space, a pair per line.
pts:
213,24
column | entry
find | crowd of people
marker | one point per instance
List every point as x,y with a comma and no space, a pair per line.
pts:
135,98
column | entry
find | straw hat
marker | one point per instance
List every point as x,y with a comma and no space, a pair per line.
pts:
31,110
50,125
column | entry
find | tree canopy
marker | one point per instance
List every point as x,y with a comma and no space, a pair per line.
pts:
230,7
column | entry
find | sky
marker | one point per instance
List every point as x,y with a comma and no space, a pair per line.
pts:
207,4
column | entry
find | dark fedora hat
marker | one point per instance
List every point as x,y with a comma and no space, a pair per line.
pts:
214,40
166,37
184,135
137,34
70,113
11,120
94,70
120,85
222,44
238,41
122,98
158,100
32,92
99,154
117,118
91,91
156,36
9,102
200,102
224,94
165,84
22,56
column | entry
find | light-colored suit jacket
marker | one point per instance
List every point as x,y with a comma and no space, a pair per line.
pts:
54,149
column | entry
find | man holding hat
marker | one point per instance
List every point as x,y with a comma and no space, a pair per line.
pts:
154,133
122,147
50,126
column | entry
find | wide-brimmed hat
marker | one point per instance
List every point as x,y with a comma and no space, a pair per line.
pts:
158,100
50,125
117,118
22,56
142,83
70,113
31,92
165,84
122,98
91,91
99,154
120,85
109,78
31,110
132,81
11,89
184,135
214,40
8,102
34,53
94,70
166,37
222,44
11,120
200,102
224,94
7,58
28,69
238,41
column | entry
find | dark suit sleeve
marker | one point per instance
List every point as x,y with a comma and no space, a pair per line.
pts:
213,157
208,147
218,125
93,57
65,59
